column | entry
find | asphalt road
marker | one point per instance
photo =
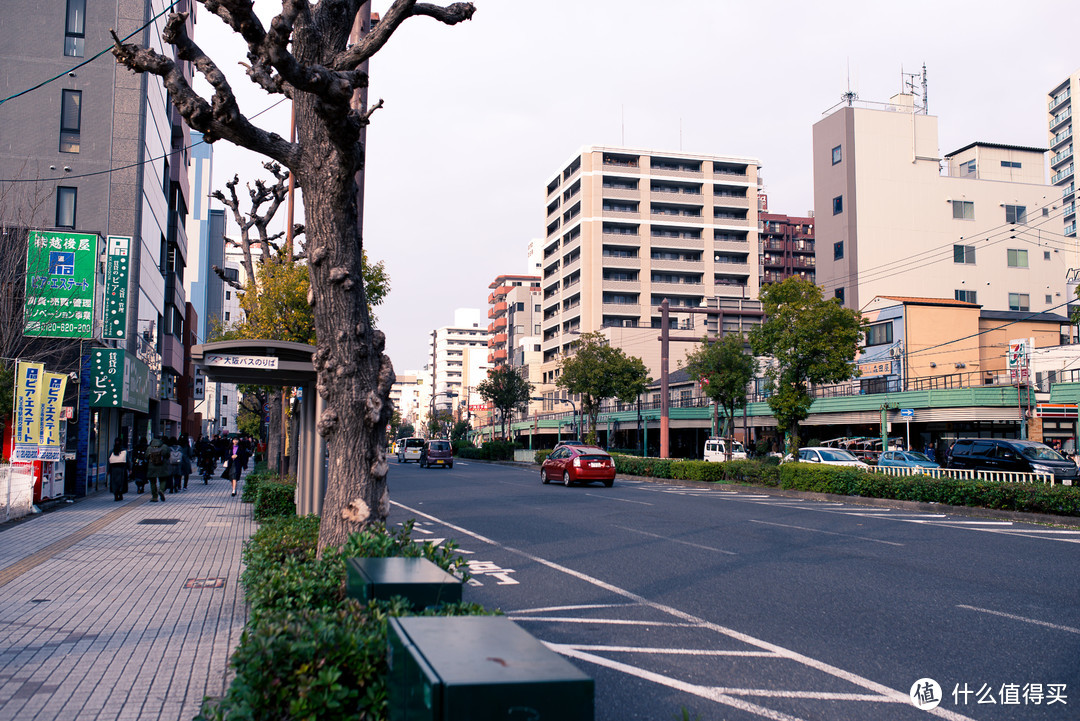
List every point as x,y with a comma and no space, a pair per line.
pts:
734,605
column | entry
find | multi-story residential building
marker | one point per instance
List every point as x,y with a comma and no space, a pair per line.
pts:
629,228
458,360
108,155
515,316
975,225
406,395
1062,162
787,247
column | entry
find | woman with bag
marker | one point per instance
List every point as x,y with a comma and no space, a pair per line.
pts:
118,471
235,468
138,464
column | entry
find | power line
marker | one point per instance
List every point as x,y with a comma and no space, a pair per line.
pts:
88,60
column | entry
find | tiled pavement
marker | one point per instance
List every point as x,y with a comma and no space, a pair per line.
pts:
96,621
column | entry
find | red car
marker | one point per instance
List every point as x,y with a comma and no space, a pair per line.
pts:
578,464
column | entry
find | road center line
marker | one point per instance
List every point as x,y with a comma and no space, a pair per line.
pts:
675,540
614,498
828,533
786,653
1067,629
674,651
601,621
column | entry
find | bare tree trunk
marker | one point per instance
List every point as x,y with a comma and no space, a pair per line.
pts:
273,441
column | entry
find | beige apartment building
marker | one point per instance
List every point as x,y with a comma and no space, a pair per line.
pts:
979,225
1060,139
627,228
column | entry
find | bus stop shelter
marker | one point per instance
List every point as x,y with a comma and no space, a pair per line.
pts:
277,363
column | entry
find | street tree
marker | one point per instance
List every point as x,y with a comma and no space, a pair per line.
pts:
811,339
505,388
306,55
597,372
724,370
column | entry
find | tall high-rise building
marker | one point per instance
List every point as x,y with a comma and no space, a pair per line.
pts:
895,218
458,360
1062,163
101,150
515,317
629,228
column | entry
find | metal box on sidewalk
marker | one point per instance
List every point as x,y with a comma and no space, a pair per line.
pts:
416,579
472,668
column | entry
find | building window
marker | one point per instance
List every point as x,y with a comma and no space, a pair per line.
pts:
66,200
1010,164
963,209
75,28
1019,301
536,308
1016,214
1049,300
226,316
968,168
963,254
967,296
1046,255
839,294
879,334
1018,258
536,329
224,400
838,250
70,120
838,205
836,156
228,295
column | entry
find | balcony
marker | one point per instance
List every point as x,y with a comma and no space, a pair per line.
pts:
1061,138
671,264
1065,173
1060,118
728,170
621,308
1060,100
774,261
772,244
497,310
497,356
499,324
617,261
1061,157
499,339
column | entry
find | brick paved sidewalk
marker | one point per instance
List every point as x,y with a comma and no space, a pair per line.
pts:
96,619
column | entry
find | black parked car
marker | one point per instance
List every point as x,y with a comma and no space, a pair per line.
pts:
1006,454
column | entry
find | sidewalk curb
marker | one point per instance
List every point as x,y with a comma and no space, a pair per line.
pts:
968,511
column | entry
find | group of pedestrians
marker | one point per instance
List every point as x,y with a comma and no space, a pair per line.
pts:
165,464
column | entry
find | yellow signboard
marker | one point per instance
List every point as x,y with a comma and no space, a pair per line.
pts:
51,403
29,379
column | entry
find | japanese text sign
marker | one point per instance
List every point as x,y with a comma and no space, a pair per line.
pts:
29,378
241,361
52,402
61,276
116,287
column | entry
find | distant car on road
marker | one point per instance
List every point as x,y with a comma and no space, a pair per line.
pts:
1008,454
408,449
437,453
905,459
715,450
578,464
830,457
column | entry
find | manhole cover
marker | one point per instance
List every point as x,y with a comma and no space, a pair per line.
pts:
205,583
159,521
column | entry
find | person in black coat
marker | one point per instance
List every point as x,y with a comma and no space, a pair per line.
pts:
118,471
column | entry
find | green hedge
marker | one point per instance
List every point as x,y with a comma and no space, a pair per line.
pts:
308,652
491,451
252,481
1028,497
275,498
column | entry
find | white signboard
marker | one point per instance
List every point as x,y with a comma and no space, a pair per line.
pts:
241,361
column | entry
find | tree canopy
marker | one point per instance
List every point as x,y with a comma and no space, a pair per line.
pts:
505,388
811,339
596,372
724,370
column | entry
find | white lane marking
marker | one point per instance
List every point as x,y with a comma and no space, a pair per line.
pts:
1055,531
1056,627
975,523
547,609
702,691
674,651
613,498
827,533
786,653
604,621
674,540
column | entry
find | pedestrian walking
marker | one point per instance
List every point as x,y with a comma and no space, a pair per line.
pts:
235,467
185,460
118,471
138,464
158,468
175,457
245,452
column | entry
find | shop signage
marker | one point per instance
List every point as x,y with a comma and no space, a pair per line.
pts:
241,361
61,275
116,286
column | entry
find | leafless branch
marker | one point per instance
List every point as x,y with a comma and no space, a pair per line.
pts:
398,13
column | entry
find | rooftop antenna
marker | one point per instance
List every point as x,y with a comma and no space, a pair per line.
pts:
849,97
915,84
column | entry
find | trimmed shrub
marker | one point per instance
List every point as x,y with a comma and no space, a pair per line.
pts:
275,498
492,451
252,481
542,455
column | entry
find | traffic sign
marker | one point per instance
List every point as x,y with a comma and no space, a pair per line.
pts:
907,412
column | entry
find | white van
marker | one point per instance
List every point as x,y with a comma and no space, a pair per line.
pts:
715,450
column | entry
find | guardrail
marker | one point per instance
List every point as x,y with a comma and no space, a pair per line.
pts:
968,474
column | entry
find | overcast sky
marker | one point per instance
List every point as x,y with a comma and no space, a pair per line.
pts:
479,116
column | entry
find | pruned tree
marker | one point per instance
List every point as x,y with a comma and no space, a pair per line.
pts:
505,388
597,371
724,370
306,56
812,340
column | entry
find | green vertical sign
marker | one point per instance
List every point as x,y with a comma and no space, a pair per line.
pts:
116,286
106,378
61,276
